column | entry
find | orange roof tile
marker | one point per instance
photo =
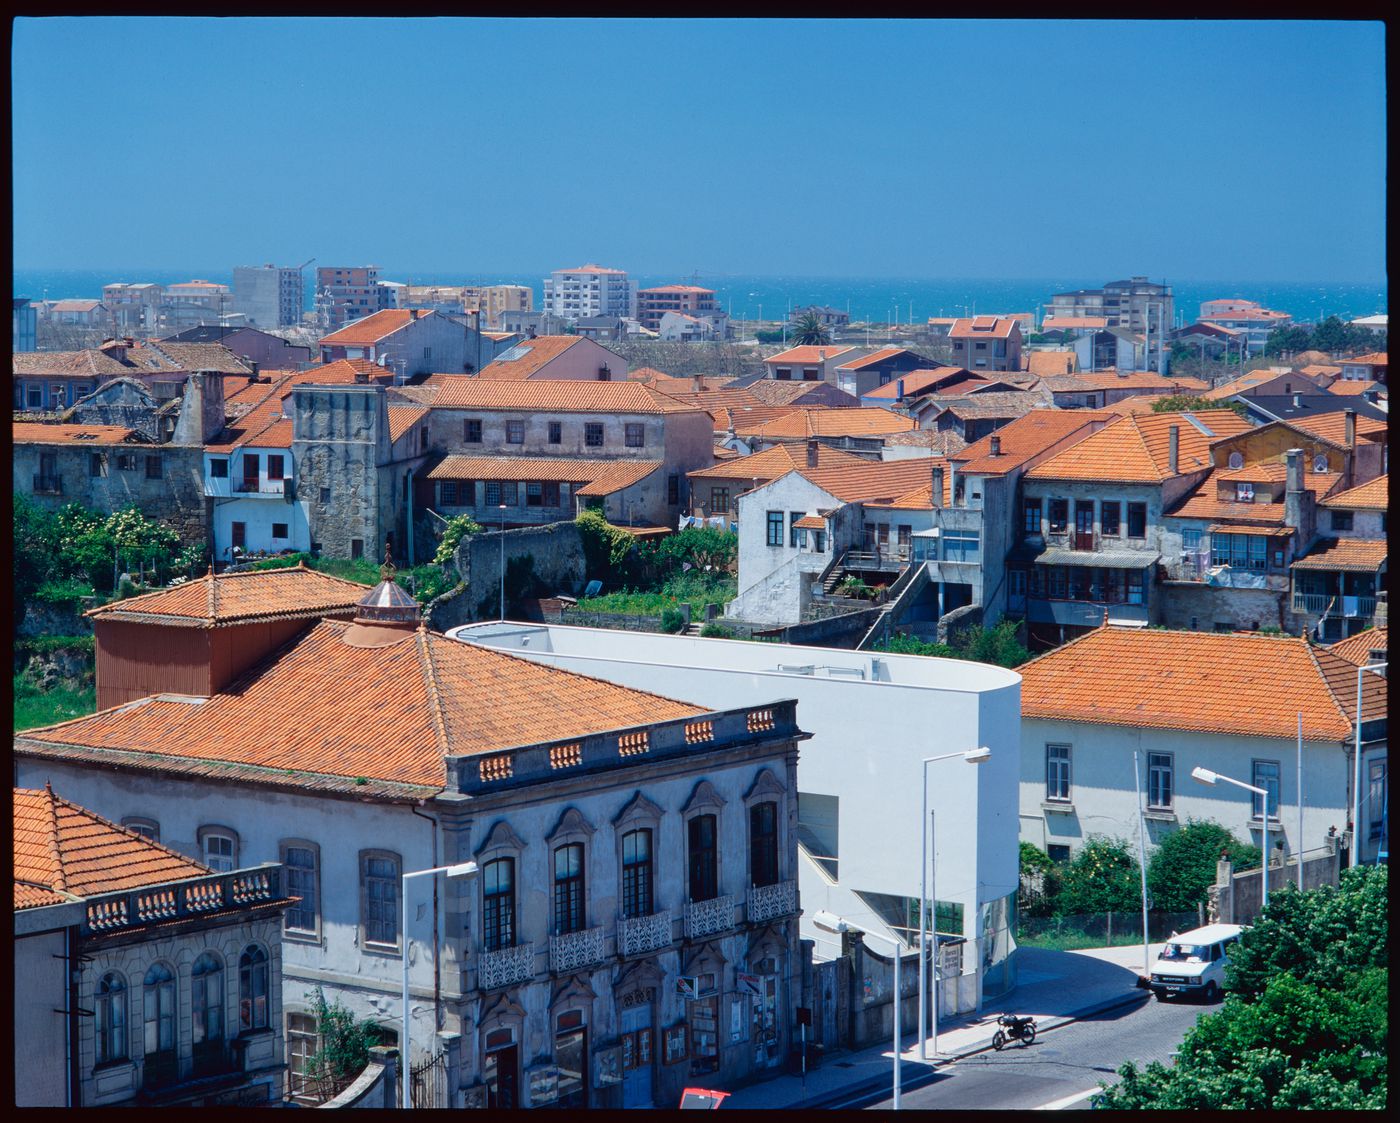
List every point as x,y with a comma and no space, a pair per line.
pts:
923,381
64,852
322,713
810,522
982,327
776,392
858,422
1357,649
1373,358
921,497
1319,371
875,357
810,354
374,327
619,474
1133,449
1051,362
1371,496
1332,427
609,475
1027,436
1203,682
1140,380
39,433
563,395
528,356
403,418
1135,403
252,596
1352,387
873,480
1349,555
773,462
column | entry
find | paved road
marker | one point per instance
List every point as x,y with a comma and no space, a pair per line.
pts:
1061,1063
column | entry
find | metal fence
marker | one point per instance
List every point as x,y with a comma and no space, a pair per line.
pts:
1104,929
427,1082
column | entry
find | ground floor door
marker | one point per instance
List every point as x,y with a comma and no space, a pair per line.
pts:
502,1074
637,1056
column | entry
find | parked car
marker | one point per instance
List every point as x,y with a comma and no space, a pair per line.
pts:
1194,962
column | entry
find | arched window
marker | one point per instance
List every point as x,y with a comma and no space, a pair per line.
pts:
110,1018
636,873
252,988
498,904
159,1007
207,1009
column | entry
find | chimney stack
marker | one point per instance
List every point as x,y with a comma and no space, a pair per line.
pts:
996,444
812,452
821,355
1297,401
937,490
1173,448
696,383
1294,459
1350,417
899,390
1299,506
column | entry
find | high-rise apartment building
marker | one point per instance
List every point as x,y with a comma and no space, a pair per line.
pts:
1137,304
590,290
191,303
348,293
494,301
689,300
269,296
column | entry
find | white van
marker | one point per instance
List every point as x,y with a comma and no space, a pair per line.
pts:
1194,962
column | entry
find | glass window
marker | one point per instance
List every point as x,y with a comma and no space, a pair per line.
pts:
673,489
556,433
493,493
1059,515
1376,798
1057,772
300,861
1030,517
633,435
795,537
534,494
593,434
1258,552
719,500
1159,780
763,843
704,854
110,1018
498,904
1110,516
1137,520
550,493
447,493
515,432
1136,589
252,988
207,1001
146,828
1266,776
280,530
379,879
1341,520
155,466
775,528
97,464
961,545
159,995
636,873
568,888
302,1043
274,467
1190,541
471,430
218,469
220,850
510,493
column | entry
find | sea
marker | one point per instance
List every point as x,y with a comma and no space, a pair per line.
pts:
879,300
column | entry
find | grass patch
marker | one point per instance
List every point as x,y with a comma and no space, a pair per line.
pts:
44,645
35,707
68,590
627,603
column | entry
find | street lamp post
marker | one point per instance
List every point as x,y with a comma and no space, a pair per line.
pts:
503,561
972,756
461,869
1206,776
830,922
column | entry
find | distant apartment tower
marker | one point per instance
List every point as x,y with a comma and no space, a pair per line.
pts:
689,300
135,308
26,332
494,301
590,290
349,293
1138,305
191,303
269,296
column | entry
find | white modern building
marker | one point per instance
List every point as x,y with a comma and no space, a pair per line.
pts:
590,290
873,719
269,296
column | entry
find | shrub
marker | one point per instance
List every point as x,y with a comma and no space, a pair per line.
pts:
1040,882
672,620
712,630
1102,877
463,526
1183,866
609,552
344,1045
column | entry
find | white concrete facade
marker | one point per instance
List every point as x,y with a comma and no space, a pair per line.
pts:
589,290
272,518
873,720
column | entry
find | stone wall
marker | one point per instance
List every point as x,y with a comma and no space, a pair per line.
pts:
557,553
342,436
1244,610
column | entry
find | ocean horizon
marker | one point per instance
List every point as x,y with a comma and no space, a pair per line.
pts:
751,296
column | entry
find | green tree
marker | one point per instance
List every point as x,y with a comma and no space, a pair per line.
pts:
1291,339
702,547
1183,866
462,526
345,1043
1331,336
1182,403
810,331
1040,882
1102,877
997,645
35,546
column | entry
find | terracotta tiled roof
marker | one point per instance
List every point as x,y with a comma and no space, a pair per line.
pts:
200,356
858,422
722,453
1135,403
872,481
221,599
747,420
921,497
1374,358
1202,682
1246,314
719,402
1349,555
992,403
773,462
1357,649
1372,496
1140,380
610,475
1319,372
922,381
344,370
321,713
403,418
1027,436
374,327
1353,387
809,354
1051,362
780,393
563,395
810,522
675,288
872,359
64,852
945,443
91,361
1133,449
982,327
528,356
40,433
1332,427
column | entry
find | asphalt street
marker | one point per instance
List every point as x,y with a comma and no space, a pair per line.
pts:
1061,1064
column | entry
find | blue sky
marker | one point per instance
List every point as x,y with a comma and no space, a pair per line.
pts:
865,149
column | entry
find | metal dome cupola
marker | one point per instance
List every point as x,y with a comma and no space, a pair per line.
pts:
388,603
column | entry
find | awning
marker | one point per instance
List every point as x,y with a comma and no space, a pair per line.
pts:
1350,555
1261,531
1103,559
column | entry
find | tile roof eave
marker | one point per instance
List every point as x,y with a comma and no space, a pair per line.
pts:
1313,734
285,779
224,621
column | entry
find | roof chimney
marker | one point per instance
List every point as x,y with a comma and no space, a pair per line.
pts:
1349,415
899,390
937,489
1297,401
821,355
812,453
1294,459
1173,447
996,444
697,383
413,312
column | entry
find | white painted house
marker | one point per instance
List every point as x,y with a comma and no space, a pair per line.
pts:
872,719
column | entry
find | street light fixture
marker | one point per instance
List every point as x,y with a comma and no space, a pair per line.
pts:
830,922
461,869
1206,776
1355,858
503,561
972,756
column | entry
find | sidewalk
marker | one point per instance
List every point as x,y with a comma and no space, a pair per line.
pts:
1054,987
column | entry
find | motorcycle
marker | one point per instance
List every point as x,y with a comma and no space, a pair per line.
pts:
1016,1029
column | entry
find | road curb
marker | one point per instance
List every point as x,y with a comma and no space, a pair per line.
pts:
876,1085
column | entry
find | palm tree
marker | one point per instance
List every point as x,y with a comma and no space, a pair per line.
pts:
810,330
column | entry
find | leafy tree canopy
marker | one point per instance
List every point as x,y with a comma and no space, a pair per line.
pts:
1183,866
810,331
1102,877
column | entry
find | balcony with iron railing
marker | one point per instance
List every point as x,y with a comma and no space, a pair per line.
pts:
505,967
250,486
707,918
574,951
179,900
772,902
641,935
